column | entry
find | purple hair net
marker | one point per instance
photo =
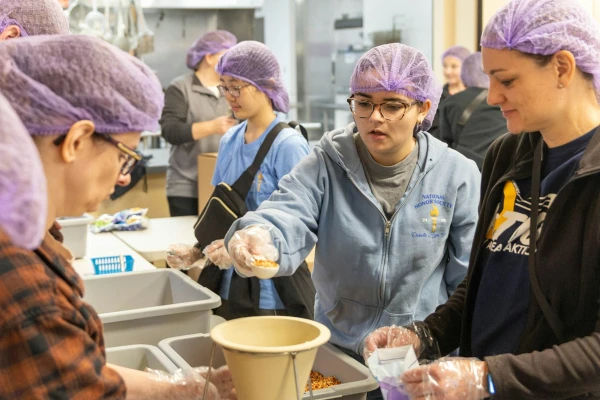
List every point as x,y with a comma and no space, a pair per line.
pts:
54,81
254,63
33,17
23,196
545,27
471,73
400,69
459,52
209,43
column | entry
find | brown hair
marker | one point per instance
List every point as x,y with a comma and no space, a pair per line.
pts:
542,61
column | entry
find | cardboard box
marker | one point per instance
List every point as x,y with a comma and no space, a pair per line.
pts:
206,169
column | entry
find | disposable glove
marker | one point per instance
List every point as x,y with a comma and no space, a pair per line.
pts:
180,256
447,379
389,337
217,254
251,244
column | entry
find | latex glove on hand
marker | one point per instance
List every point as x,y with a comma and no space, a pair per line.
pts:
448,379
190,384
250,244
389,337
182,255
222,380
217,254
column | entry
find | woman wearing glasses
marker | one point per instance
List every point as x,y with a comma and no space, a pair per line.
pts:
193,120
51,345
391,210
252,84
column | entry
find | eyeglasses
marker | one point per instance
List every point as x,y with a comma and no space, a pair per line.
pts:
132,157
233,91
390,110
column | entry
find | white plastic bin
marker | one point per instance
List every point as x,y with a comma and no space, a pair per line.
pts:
194,351
75,232
146,307
140,357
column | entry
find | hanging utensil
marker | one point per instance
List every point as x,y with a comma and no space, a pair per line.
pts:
108,32
94,22
121,40
75,16
145,35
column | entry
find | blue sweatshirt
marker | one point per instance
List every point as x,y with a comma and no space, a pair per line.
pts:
370,272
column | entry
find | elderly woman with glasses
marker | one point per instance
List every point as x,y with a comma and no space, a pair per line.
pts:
82,105
390,209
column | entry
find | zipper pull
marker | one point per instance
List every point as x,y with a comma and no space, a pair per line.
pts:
388,227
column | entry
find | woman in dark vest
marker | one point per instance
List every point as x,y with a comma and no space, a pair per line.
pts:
193,120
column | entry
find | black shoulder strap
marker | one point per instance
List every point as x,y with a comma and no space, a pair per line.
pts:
299,127
553,319
464,118
244,183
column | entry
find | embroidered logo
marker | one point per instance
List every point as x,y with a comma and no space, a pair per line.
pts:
434,216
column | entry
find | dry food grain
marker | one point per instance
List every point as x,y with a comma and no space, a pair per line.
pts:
265,264
319,381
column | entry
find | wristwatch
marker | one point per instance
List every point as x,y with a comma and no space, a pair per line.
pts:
491,388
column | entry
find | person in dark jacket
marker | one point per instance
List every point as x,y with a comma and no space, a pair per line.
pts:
468,123
527,317
452,61
194,118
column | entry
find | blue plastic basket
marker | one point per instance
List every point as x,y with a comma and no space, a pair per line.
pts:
112,264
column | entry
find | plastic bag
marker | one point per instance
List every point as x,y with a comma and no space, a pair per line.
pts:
416,334
132,219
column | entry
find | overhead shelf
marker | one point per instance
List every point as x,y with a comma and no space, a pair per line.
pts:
202,4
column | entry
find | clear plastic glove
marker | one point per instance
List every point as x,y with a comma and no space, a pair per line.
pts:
250,244
191,384
448,379
181,256
221,378
388,337
217,254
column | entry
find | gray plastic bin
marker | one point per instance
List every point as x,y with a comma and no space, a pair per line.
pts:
148,306
140,357
194,351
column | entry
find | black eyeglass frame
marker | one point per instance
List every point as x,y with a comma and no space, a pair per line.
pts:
133,157
406,106
224,90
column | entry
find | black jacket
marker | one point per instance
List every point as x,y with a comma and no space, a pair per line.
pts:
568,270
484,126
434,130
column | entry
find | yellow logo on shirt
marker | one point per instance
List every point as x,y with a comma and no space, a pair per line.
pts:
434,216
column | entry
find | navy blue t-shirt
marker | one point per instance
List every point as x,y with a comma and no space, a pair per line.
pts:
502,302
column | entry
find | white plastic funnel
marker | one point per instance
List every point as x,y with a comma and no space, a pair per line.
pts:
260,353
